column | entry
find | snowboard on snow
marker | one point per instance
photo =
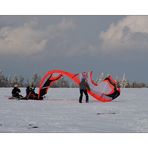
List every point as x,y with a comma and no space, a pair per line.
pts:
15,98
24,98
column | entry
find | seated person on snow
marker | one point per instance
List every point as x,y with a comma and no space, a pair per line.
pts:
16,91
30,92
116,92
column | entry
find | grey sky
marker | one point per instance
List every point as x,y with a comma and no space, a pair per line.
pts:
109,44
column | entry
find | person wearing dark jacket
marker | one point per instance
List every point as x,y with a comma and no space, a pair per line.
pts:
83,89
30,92
16,91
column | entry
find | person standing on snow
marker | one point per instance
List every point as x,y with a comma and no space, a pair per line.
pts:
83,89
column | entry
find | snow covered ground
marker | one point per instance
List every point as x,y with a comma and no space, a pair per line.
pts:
61,112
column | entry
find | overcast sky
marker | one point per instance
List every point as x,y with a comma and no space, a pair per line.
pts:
109,44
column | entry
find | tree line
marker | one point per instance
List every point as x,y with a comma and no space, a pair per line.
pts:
11,80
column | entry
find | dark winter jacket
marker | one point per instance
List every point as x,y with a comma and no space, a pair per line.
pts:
30,90
84,85
15,90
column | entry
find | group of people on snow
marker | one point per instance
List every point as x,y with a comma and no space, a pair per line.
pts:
83,86
30,93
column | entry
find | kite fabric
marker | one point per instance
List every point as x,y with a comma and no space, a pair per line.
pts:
101,91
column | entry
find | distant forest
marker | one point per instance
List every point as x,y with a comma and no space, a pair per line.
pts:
10,81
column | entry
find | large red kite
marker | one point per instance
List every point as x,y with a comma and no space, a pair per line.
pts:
104,91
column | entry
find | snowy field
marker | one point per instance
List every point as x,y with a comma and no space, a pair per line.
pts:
60,112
